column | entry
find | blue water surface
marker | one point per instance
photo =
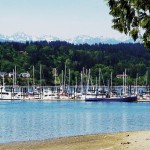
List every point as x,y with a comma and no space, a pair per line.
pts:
38,120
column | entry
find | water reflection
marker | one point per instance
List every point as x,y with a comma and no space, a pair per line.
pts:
39,120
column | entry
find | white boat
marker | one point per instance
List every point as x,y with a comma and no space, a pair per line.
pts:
8,95
50,95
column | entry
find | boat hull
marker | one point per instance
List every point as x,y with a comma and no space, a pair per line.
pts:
116,99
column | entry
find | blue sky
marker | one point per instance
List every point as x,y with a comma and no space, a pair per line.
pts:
61,18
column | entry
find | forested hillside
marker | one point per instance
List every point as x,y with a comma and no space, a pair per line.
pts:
78,58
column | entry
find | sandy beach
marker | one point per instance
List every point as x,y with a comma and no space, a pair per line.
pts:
139,140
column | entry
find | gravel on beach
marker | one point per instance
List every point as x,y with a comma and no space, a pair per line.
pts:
139,140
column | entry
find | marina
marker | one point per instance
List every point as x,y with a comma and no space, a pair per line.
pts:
97,93
75,75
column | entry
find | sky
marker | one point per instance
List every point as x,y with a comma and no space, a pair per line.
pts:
60,18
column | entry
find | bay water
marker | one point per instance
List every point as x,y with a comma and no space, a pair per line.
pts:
39,120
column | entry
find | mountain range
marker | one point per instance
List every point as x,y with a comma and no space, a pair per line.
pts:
22,37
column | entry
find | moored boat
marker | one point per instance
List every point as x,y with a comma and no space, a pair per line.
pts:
8,95
113,99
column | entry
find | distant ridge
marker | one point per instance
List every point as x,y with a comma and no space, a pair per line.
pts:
22,37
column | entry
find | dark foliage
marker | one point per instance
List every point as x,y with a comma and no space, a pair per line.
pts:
110,58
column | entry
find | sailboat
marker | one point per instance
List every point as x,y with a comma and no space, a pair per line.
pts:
115,99
9,94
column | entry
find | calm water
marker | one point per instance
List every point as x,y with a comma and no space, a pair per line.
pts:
23,121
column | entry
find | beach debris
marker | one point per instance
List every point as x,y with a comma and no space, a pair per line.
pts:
125,143
147,139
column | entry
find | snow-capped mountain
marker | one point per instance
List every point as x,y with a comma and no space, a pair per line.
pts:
48,38
2,38
22,37
93,40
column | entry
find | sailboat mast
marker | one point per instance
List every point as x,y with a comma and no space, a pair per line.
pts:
96,83
55,76
88,81
62,80
69,78
3,81
136,83
76,82
65,76
81,81
125,80
33,78
111,80
146,78
15,76
40,75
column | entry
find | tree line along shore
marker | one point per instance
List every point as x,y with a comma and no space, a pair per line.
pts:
51,63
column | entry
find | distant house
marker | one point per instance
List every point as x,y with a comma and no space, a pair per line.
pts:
121,76
25,75
10,74
3,74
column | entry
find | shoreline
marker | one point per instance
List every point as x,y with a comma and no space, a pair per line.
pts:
139,100
114,141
